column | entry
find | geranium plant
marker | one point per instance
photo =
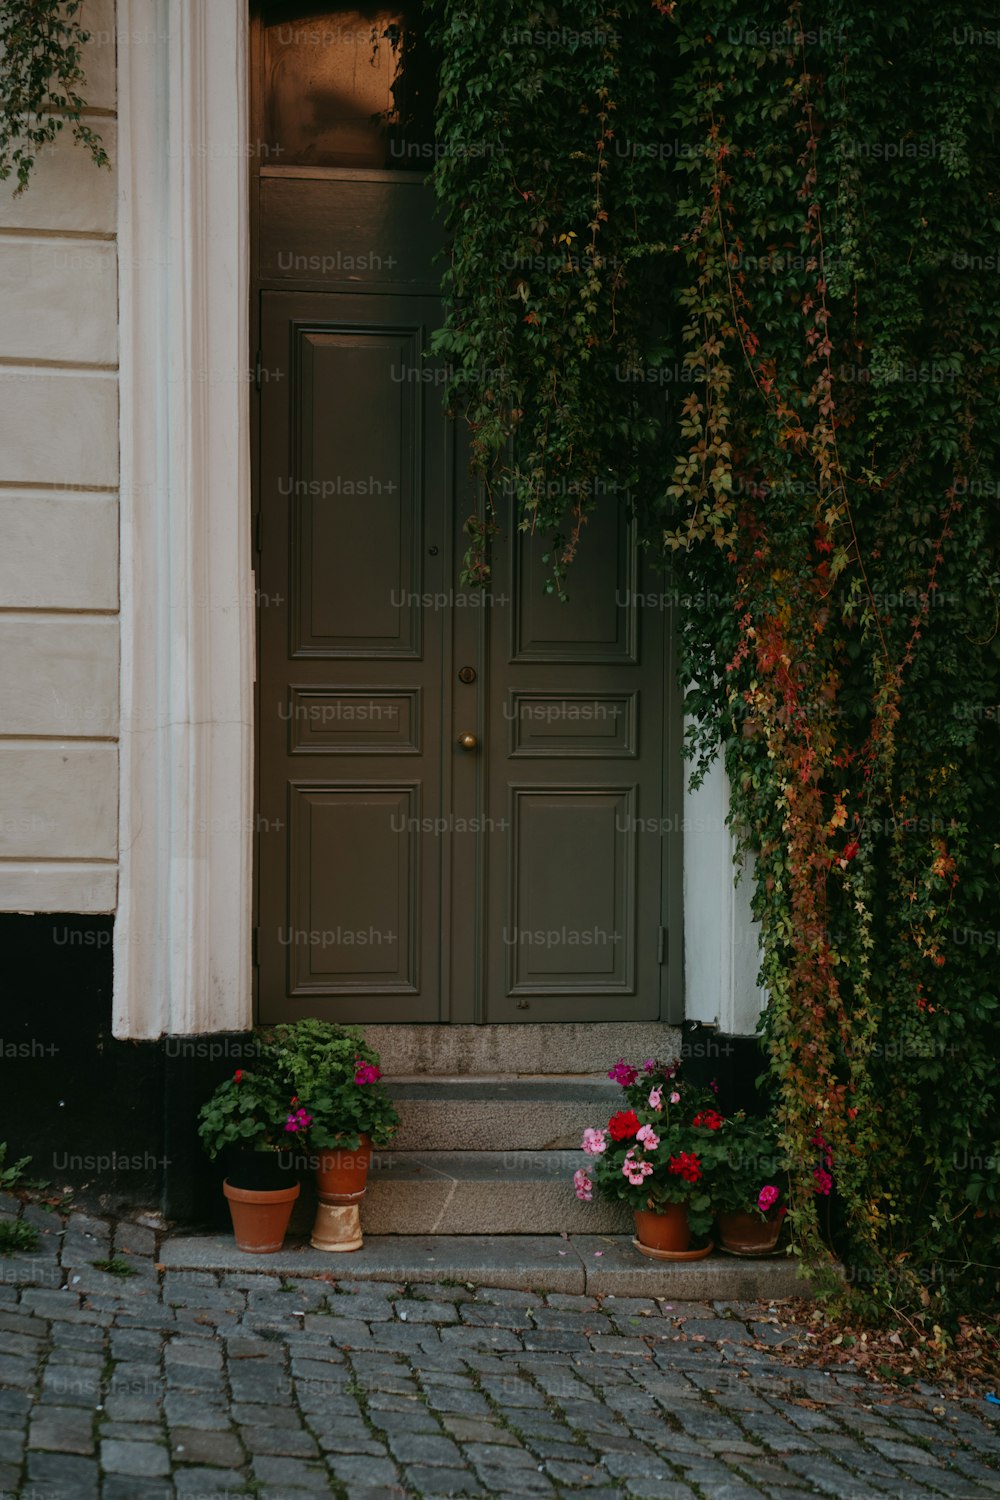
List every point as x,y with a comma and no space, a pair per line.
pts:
335,1077
662,1148
249,1111
753,1177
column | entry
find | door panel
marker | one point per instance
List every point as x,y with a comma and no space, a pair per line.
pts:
355,527
575,762
357,467
592,626
362,934
572,865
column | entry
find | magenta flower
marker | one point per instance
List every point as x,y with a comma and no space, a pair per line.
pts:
298,1120
594,1141
367,1073
767,1198
649,1065
824,1182
623,1073
582,1186
647,1135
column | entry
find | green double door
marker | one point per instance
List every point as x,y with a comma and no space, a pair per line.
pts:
462,795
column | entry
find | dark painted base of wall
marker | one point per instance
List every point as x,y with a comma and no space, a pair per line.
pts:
113,1120
116,1120
734,1063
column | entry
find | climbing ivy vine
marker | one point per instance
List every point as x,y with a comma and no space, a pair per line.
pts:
744,279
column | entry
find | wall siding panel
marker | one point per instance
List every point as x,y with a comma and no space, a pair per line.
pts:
59,639
59,677
66,192
50,885
59,427
60,299
60,551
58,800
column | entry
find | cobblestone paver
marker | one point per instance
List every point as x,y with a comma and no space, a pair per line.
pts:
197,1386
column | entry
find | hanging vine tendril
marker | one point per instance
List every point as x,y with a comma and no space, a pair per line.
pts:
41,72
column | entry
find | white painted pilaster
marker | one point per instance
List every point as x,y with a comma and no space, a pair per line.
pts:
721,953
182,935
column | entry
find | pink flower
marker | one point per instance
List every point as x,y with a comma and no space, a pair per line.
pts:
649,1065
297,1120
767,1198
824,1182
582,1186
656,1098
675,1098
647,1135
367,1073
594,1141
636,1171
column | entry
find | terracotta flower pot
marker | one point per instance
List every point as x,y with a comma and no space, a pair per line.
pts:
666,1229
343,1175
260,1218
748,1234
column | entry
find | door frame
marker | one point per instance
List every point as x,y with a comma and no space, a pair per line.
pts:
186,776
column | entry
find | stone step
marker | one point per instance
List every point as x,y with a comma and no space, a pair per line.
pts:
600,1265
499,1114
475,1192
482,1192
540,1048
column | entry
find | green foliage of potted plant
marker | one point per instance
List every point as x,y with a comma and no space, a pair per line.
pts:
751,1185
660,1155
247,1121
335,1077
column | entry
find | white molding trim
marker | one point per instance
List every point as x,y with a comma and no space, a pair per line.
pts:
182,934
721,937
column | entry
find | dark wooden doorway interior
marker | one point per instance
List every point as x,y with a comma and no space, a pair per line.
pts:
462,798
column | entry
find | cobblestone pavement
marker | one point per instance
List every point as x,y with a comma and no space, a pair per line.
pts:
200,1386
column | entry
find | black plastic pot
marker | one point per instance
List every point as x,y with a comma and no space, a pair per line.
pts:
257,1171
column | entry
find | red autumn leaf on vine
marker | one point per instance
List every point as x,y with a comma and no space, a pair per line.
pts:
851,849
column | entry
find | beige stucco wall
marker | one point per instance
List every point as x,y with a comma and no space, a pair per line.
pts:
59,516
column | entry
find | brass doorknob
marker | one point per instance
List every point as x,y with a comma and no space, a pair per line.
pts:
468,741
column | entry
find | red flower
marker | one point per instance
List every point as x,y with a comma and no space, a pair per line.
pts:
710,1118
686,1165
623,1125
238,1075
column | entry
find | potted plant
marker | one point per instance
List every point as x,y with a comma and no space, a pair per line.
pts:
751,1185
248,1121
660,1155
336,1075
